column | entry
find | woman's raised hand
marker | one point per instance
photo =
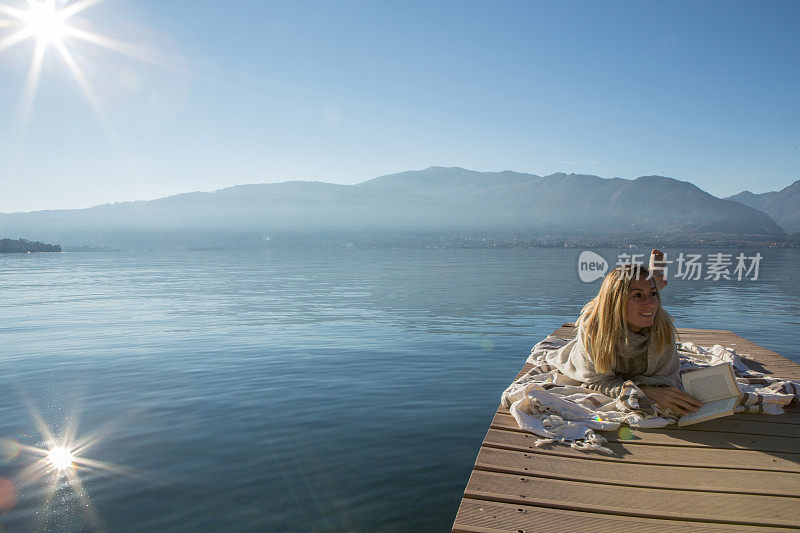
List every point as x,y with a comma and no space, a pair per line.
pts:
673,399
656,267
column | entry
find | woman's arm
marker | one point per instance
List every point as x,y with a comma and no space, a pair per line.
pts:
663,387
672,398
610,385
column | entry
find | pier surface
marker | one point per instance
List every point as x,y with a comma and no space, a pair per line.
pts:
738,473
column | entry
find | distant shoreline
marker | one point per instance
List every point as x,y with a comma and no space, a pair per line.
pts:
258,241
22,246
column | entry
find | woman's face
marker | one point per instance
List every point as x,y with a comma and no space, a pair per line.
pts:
642,304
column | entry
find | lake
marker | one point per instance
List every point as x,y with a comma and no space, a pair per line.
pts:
307,390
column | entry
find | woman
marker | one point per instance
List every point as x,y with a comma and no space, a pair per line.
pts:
624,335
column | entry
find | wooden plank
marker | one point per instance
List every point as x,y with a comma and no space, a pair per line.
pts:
779,370
786,367
789,417
628,474
783,425
788,371
732,509
481,516
745,427
708,331
681,437
739,472
756,357
790,374
525,368
652,455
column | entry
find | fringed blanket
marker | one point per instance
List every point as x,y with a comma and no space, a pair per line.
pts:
543,402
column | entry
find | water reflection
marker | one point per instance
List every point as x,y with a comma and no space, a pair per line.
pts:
357,382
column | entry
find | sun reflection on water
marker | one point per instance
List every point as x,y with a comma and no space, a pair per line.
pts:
56,463
60,458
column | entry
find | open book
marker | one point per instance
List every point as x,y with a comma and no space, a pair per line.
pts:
716,387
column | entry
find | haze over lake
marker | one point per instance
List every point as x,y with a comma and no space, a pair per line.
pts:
329,389
435,207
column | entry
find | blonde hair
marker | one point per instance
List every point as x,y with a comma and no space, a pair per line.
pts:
604,323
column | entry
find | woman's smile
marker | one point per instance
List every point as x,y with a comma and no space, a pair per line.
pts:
643,304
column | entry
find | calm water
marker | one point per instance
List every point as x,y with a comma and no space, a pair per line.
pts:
319,391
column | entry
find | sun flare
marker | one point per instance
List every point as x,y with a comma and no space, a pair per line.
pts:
54,28
61,458
59,462
46,22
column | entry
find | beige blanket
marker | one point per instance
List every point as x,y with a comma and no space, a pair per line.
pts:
546,403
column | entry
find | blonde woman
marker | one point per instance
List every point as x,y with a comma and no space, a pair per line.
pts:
625,336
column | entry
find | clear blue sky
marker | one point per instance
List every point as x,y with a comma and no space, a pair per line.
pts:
224,93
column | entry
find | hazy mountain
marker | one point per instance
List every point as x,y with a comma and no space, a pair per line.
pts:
575,202
783,206
432,200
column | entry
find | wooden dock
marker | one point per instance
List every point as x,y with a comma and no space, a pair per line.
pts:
739,473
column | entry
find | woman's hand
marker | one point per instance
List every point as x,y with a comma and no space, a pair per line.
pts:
672,398
656,266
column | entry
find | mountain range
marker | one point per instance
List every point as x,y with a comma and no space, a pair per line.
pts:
783,206
437,200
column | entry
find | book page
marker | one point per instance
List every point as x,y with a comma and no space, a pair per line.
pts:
711,384
711,409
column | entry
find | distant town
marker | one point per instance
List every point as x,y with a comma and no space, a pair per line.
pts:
422,240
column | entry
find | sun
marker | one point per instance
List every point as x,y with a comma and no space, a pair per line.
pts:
52,25
58,461
46,22
60,458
